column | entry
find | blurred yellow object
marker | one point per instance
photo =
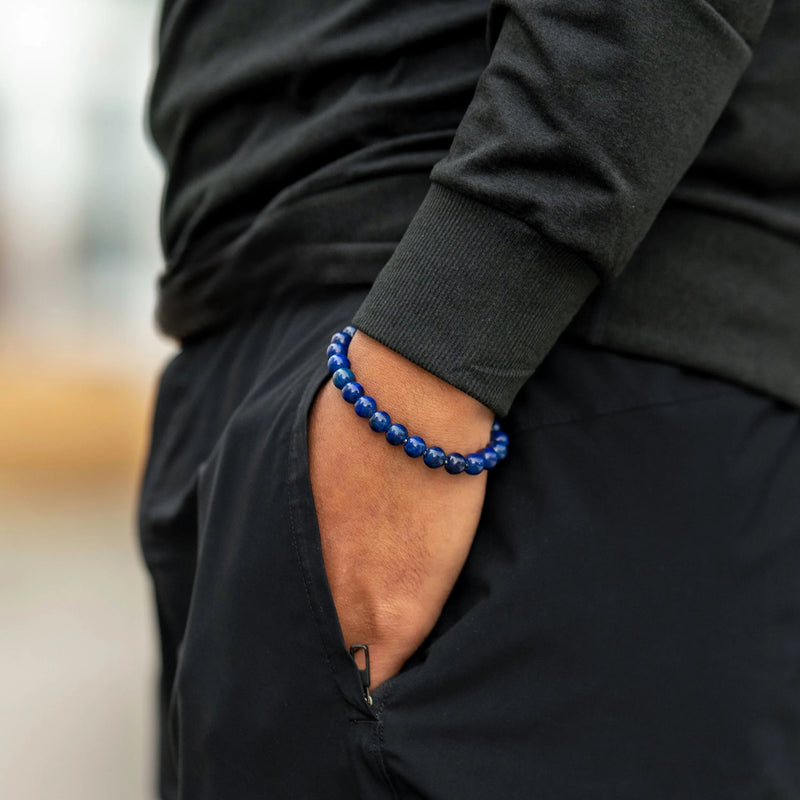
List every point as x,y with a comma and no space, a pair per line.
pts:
72,423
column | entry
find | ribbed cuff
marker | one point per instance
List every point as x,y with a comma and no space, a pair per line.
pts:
474,296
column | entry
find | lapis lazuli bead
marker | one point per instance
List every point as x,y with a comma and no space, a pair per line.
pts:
352,391
342,376
455,463
338,362
475,464
489,458
336,349
396,434
414,446
380,421
434,457
365,406
500,438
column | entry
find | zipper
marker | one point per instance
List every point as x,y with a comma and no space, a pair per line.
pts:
363,673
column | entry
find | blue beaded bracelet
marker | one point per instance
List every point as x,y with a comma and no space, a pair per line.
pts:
414,446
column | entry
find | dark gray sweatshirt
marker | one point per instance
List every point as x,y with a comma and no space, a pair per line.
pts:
626,174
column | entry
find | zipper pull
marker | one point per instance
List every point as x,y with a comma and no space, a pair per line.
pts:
364,673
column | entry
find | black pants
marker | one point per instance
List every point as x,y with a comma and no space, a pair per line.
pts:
627,624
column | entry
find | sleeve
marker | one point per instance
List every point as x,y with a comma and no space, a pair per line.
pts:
586,117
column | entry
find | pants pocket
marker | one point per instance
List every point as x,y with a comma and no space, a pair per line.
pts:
306,541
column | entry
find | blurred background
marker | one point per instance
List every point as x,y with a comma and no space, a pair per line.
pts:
79,254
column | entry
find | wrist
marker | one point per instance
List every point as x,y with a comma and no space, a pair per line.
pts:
426,404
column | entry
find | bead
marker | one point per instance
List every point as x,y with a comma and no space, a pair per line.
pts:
365,406
495,426
475,464
414,446
434,457
489,458
380,421
336,349
341,338
500,438
350,330
455,463
341,377
352,391
500,449
397,434
338,362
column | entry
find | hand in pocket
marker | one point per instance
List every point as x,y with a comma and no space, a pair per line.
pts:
394,533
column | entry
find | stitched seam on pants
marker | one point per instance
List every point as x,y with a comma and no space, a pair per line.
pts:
382,763
294,523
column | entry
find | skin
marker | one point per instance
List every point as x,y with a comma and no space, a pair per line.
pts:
395,534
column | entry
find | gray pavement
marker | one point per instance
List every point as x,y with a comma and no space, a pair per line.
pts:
77,646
